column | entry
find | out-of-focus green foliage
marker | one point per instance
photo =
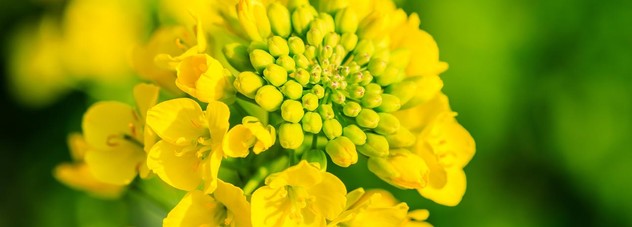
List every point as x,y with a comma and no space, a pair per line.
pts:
544,87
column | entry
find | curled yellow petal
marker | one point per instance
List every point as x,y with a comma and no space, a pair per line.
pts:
178,121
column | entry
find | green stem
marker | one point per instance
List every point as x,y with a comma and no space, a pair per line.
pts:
256,180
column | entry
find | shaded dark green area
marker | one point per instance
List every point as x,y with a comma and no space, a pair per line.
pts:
544,87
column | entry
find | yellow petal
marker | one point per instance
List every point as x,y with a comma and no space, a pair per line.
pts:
146,96
238,141
78,176
116,166
178,121
217,115
195,209
420,116
234,200
106,124
329,196
450,194
78,146
303,174
210,169
175,167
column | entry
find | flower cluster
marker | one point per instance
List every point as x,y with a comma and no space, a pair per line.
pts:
261,96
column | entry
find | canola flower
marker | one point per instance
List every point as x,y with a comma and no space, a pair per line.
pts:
264,95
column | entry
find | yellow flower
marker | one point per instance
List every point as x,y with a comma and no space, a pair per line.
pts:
402,169
117,137
301,195
197,73
444,145
190,151
249,134
77,174
377,208
226,207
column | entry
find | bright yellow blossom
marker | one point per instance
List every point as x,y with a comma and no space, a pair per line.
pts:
444,145
117,137
301,195
226,207
77,174
190,151
401,168
249,134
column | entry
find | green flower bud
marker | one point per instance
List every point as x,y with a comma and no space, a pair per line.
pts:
365,47
310,101
279,17
247,83
302,18
332,39
277,46
312,122
293,4
342,151
275,74
302,77
367,118
260,59
373,89
367,78
339,54
292,111
338,97
351,109
315,36
356,92
346,21
355,134
390,103
375,146
326,111
400,139
391,75
319,91
332,128
377,66
291,135
328,23
388,124
296,45
314,156
326,52
286,62
372,100
349,41
292,90
310,52
269,98
237,56
301,61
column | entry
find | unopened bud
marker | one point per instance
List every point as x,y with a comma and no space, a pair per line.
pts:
315,36
247,83
372,100
375,146
269,98
292,90
402,138
402,169
292,111
277,46
275,74
319,91
287,63
342,151
377,66
291,135
367,118
326,111
351,109
349,41
332,128
301,19
391,75
301,61
355,134
310,101
390,103
346,21
302,77
314,156
312,122
279,17
260,59
389,124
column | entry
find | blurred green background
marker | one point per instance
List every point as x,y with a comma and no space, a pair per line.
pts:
544,87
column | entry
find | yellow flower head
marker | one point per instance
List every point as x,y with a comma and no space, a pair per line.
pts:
226,207
77,174
301,195
117,136
249,134
402,169
191,147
